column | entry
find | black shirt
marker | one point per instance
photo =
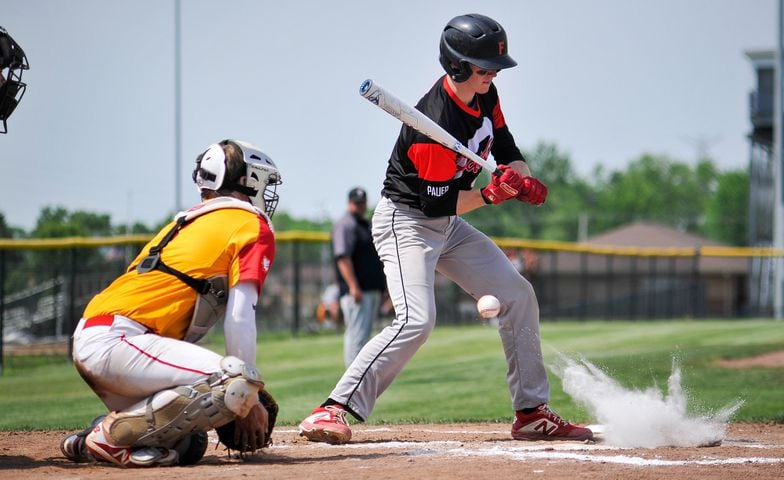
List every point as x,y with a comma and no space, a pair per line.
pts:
351,238
428,176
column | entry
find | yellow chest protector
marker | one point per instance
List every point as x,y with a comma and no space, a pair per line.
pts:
212,293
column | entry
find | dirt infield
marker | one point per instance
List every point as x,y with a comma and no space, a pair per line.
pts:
767,360
465,451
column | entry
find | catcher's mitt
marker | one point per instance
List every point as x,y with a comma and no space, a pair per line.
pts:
226,432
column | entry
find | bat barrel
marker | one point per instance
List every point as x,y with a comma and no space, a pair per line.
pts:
365,87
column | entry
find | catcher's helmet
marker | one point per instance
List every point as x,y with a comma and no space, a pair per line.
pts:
262,175
12,63
475,39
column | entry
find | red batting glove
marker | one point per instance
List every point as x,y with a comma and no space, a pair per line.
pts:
502,187
533,191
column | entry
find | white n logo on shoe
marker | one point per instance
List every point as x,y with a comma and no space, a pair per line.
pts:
318,417
546,427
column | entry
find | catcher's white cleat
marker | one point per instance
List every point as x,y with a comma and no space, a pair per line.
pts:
72,446
100,448
326,424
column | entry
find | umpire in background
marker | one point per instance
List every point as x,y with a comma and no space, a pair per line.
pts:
360,274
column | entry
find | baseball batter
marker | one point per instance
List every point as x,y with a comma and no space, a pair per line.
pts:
135,346
418,230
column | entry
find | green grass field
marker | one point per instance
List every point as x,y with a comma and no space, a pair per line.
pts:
458,376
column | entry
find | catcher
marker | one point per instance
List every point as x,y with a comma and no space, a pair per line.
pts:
135,345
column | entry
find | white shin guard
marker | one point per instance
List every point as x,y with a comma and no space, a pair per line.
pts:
170,415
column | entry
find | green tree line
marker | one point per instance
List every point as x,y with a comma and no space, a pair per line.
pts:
697,198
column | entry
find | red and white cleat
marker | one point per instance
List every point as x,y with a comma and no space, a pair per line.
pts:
545,424
100,448
326,424
73,447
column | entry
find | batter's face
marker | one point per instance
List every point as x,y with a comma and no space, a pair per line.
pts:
480,79
358,209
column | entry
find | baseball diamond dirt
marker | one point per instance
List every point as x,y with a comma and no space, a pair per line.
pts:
456,451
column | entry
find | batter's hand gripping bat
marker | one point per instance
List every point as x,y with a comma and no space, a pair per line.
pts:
417,120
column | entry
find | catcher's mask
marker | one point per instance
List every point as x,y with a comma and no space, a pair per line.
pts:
262,176
12,63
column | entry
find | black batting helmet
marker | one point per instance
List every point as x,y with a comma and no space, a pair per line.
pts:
475,39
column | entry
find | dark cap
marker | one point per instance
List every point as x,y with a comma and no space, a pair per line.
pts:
357,195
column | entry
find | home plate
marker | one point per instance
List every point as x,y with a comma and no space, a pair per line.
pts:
598,433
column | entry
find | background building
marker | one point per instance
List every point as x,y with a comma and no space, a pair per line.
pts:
761,179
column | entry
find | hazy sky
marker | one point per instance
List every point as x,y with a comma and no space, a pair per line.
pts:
606,80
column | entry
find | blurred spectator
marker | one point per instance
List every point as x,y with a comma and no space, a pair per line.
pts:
360,274
328,309
524,260
516,259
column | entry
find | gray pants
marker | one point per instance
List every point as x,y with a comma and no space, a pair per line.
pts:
412,247
359,319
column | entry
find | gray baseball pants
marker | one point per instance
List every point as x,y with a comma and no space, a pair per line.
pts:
412,247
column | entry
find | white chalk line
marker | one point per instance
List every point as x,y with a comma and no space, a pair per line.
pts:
739,442
617,459
458,449
539,451
414,429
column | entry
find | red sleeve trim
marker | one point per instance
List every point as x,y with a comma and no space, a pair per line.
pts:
256,258
433,162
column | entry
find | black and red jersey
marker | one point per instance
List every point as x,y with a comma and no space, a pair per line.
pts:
428,176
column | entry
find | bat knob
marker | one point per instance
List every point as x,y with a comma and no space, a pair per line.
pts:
363,89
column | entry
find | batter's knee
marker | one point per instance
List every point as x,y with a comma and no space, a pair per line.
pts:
527,288
519,305
417,333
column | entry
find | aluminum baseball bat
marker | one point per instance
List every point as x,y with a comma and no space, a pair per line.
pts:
417,120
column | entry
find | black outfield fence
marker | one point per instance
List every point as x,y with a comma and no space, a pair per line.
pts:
45,284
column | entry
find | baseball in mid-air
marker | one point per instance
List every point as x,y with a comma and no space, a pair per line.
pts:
488,306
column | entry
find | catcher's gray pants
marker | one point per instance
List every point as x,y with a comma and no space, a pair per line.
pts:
412,247
359,319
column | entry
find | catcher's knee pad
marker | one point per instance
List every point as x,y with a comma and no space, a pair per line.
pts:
170,415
